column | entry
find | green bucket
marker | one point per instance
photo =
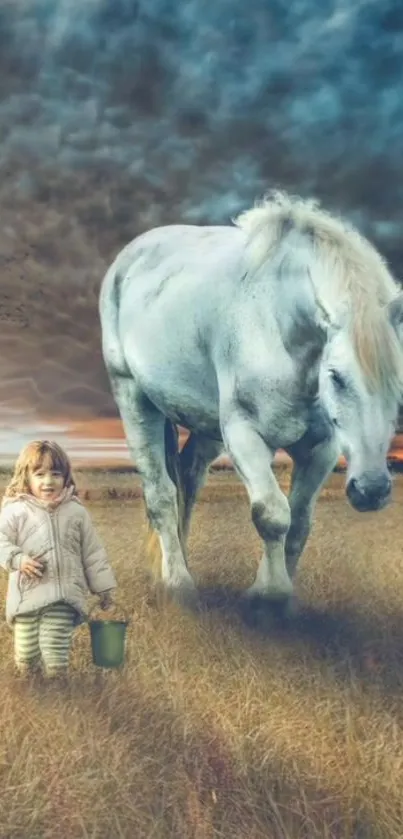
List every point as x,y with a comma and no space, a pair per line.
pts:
108,642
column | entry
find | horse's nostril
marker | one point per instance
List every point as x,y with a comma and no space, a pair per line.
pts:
370,492
380,488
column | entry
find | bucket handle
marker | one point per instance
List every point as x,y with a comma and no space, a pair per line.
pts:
113,605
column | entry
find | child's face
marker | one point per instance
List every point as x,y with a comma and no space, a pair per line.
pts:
45,482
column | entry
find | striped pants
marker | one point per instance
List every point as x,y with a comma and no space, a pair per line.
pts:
47,634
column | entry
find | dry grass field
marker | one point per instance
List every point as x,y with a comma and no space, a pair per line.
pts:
218,726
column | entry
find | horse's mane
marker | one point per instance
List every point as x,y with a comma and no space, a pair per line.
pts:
347,265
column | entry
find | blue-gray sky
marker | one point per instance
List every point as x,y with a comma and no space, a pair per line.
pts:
117,116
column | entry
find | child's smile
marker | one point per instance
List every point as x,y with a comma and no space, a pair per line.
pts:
46,484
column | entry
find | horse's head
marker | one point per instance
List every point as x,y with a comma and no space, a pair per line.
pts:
360,386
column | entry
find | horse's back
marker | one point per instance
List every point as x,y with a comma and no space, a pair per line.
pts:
174,290
187,250
177,285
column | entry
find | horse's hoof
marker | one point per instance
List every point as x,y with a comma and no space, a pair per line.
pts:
183,593
187,597
267,611
257,611
291,608
270,599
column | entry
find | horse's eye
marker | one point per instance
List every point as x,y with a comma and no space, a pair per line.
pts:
338,380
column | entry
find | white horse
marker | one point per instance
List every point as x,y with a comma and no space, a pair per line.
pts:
283,331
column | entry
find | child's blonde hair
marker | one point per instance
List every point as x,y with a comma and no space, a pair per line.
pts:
31,458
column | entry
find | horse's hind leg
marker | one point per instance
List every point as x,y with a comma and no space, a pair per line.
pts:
144,428
198,452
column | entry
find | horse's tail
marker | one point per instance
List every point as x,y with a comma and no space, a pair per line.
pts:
108,307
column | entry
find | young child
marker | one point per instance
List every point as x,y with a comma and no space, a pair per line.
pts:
53,555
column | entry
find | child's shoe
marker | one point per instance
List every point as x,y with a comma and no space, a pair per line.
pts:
56,675
25,669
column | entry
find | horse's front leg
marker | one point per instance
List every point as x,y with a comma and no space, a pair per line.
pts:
269,506
311,468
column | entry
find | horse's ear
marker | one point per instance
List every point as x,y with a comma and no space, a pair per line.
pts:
395,312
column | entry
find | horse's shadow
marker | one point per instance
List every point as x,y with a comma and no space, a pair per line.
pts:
368,649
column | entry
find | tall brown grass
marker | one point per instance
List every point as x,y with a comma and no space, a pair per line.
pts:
220,726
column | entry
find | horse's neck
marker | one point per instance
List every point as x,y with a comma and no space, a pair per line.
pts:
282,329
303,333
307,361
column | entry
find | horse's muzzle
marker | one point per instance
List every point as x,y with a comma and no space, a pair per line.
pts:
369,492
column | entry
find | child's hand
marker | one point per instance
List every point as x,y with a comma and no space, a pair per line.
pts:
31,566
105,600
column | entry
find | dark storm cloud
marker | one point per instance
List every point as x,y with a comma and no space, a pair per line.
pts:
115,116
209,103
